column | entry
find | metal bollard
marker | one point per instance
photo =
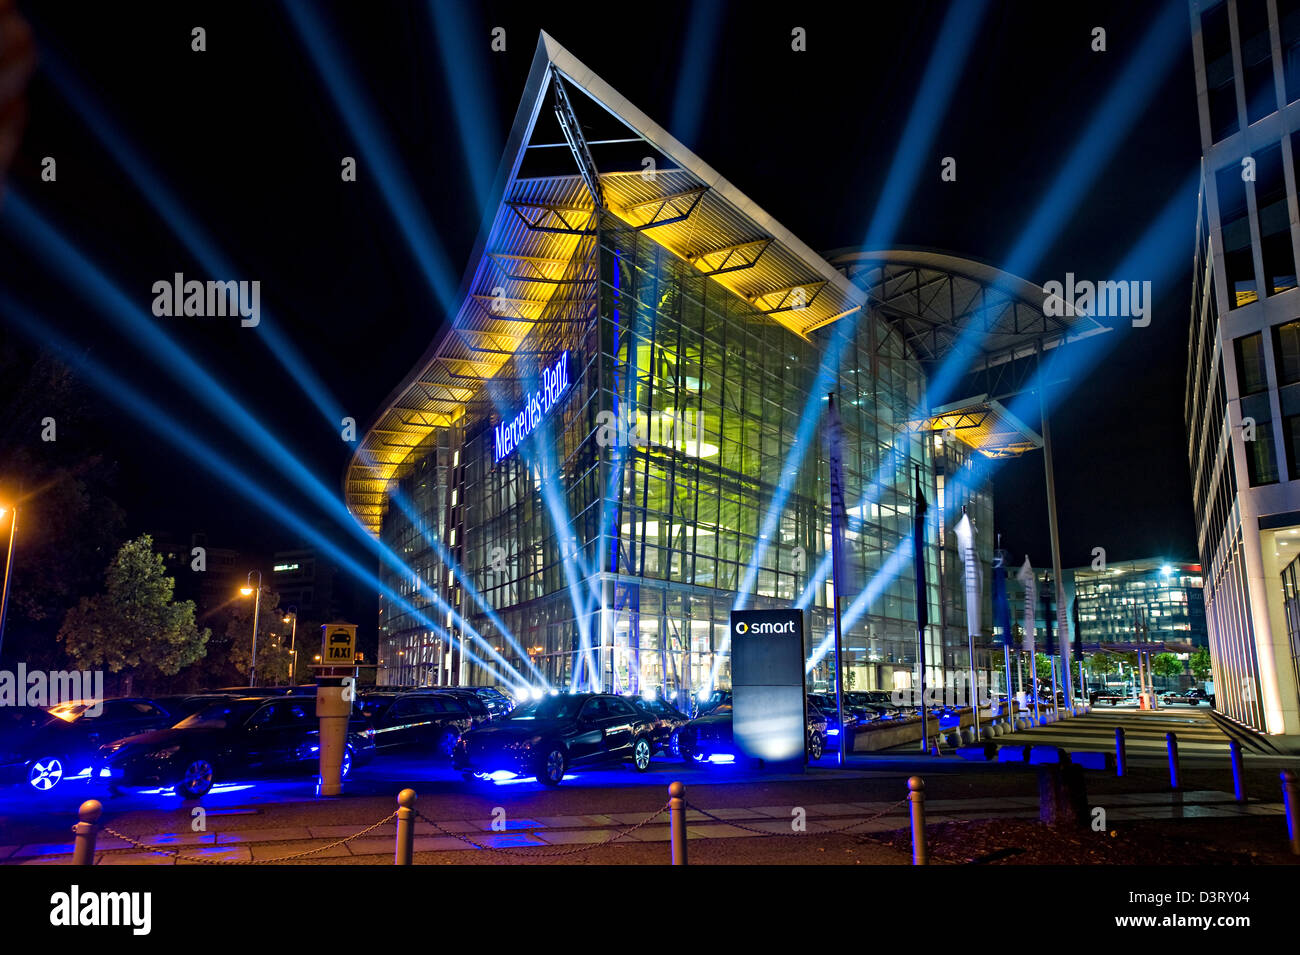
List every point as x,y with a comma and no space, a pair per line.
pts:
405,849
1238,774
1175,775
1121,752
677,821
83,849
916,793
1291,800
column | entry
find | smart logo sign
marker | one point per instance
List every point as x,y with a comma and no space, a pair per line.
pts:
510,433
767,687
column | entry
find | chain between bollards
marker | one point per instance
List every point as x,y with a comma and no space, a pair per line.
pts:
83,850
404,852
1291,802
916,793
677,821
1175,773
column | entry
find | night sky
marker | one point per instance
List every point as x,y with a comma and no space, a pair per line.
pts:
248,139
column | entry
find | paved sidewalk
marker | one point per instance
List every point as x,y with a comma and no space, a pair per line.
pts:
272,844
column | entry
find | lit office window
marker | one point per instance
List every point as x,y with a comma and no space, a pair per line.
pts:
1252,376
1261,462
1256,59
1218,72
1286,352
1274,221
1234,221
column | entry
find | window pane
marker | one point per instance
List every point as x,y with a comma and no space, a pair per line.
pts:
1256,59
1286,350
1234,219
1251,375
1274,221
1218,72
1261,462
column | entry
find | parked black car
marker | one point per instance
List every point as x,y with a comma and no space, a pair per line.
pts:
712,701
230,739
498,703
709,738
419,718
43,746
182,705
547,737
667,721
478,709
857,713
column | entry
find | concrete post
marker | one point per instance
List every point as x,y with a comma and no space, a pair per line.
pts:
83,849
916,794
405,849
677,821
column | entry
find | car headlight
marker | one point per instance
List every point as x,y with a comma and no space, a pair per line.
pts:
165,753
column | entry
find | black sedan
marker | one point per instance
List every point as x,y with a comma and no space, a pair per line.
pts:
45,746
667,719
498,703
709,739
545,738
422,719
248,736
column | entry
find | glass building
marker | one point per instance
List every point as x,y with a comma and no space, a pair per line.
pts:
1153,605
1243,382
621,436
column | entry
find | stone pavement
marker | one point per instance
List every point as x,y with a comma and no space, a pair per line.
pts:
272,844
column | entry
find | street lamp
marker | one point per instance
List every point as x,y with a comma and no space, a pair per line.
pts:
257,607
292,612
9,562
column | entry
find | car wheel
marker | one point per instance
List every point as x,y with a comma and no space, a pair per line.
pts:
345,767
45,773
196,780
641,754
675,744
552,768
815,748
446,743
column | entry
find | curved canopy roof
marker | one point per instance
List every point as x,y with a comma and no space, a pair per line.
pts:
578,147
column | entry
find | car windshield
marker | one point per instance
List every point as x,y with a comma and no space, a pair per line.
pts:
220,715
548,708
22,719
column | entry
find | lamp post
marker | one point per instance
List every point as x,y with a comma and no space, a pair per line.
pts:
9,563
292,612
257,607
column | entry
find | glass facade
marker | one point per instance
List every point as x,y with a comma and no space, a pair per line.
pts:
611,544
1143,602
1242,406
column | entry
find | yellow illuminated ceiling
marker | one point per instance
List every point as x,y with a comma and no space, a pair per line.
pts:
983,424
534,256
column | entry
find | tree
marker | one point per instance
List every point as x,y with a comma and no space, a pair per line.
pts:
1102,664
1200,664
272,640
133,626
1043,667
1167,665
69,527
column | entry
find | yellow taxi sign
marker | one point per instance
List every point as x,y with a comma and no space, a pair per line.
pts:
340,644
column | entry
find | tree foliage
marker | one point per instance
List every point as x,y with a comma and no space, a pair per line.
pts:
133,627
1200,664
1167,665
